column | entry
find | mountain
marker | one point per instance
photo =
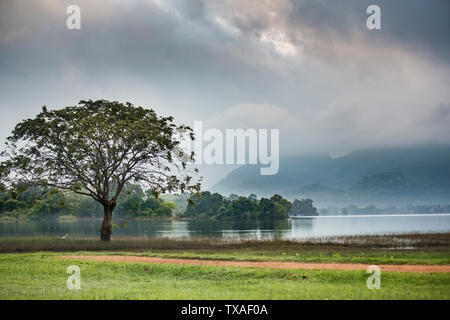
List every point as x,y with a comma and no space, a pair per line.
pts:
383,183
415,174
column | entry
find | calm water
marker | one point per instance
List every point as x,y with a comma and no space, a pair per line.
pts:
288,229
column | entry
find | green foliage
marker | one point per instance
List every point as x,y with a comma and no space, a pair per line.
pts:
36,203
214,205
304,207
137,203
95,149
180,202
33,203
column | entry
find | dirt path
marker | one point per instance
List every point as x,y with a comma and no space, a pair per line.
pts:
278,265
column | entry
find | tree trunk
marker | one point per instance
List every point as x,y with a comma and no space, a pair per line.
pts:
105,233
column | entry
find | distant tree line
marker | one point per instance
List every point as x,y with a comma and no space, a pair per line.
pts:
303,207
36,203
372,209
214,205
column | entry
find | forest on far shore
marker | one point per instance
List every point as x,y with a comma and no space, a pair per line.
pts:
136,203
36,203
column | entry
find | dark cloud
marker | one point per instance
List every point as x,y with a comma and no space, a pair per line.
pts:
309,67
418,24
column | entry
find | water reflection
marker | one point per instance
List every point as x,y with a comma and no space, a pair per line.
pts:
282,229
248,228
302,228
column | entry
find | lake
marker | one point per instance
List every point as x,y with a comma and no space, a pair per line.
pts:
293,228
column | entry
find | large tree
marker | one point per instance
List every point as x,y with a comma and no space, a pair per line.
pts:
95,149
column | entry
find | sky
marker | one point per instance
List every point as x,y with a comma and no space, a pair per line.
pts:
310,68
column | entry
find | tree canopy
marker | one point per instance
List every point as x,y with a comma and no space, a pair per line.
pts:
304,207
95,149
214,205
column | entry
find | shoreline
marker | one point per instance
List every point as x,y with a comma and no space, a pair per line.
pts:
387,242
68,219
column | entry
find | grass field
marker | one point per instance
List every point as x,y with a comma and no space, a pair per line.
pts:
42,275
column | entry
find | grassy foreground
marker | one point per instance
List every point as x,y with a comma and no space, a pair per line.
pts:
42,275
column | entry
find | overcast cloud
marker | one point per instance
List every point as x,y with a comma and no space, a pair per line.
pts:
310,68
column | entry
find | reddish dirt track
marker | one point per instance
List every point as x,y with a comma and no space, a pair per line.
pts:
275,265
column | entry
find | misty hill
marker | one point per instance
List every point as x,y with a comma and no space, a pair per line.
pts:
384,183
419,174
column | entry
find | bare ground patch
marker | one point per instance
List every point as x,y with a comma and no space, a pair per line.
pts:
274,265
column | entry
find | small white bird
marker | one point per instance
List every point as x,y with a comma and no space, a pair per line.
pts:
65,236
